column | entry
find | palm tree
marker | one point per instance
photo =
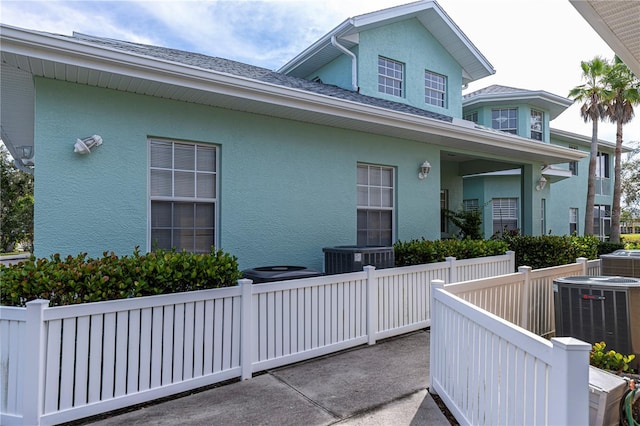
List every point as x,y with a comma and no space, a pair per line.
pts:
592,94
625,93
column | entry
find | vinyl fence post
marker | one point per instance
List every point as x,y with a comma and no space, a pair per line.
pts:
246,345
453,272
512,260
569,382
372,303
35,358
585,265
526,291
434,332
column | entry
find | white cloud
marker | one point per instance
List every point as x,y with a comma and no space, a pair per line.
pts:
532,44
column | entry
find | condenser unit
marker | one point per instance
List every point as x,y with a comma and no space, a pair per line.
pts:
342,259
600,309
621,263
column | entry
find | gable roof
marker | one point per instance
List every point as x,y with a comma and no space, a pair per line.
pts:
190,77
429,13
497,94
252,72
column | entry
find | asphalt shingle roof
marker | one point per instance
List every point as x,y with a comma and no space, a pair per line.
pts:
255,73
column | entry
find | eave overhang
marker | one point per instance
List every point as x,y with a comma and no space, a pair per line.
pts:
583,140
555,104
57,57
618,24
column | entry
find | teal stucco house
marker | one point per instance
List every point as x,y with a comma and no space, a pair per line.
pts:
362,139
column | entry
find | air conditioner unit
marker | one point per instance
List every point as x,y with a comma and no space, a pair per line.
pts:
600,309
621,263
343,259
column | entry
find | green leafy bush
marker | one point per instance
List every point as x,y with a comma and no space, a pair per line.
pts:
606,247
81,279
417,252
609,360
544,251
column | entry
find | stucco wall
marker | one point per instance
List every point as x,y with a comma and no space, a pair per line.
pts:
287,189
398,42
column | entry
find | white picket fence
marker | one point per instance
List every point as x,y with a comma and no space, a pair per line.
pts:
487,359
64,363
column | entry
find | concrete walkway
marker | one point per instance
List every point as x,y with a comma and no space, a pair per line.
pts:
383,384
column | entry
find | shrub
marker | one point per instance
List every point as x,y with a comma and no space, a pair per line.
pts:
544,251
609,360
81,279
606,247
417,252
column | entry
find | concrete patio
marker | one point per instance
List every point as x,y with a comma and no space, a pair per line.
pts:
382,384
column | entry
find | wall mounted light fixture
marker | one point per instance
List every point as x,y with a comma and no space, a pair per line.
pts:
542,182
424,170
84,145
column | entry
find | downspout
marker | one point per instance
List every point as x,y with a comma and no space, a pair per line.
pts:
354,62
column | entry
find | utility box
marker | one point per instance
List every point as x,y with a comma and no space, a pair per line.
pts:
343,259
600,309
605,392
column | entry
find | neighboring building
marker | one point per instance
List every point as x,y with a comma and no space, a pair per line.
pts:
561,187
359,140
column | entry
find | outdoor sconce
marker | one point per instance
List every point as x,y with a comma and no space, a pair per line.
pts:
424,170
542,182
84,145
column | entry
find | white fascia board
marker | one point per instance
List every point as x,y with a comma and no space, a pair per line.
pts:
320,44
586,140
519,96
153,69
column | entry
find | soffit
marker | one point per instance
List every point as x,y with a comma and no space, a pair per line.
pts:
618,23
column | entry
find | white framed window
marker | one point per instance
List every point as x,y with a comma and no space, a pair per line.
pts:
504,214
543,216
603,181
505,120
573,165
390,77
183,179
573,220
537,123
470,205
602,221
435,89
444,206
376,205
472,116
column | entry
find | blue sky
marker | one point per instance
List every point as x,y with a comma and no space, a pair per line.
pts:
532,44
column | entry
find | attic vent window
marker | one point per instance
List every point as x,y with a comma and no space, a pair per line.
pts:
390,77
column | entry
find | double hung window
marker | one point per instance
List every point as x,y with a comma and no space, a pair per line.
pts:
435,89
390,77
505,214
537,122
573,221
505,120
182,195
376,204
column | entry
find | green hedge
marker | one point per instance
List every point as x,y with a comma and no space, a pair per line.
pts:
606,247
417,252
81,279
544,251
